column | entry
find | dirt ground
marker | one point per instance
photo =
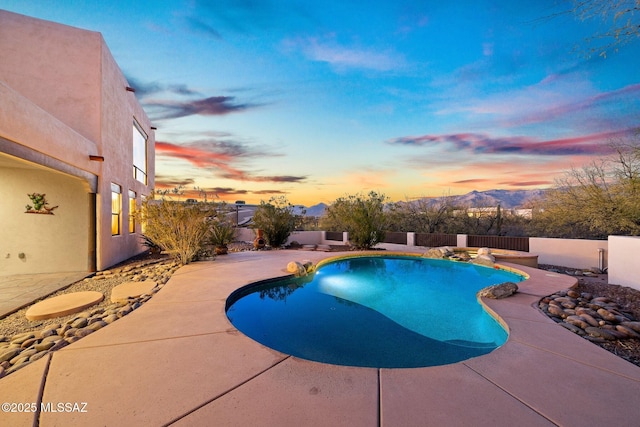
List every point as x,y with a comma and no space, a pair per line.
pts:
627,298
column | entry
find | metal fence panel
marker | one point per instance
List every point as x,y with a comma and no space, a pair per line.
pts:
435,240
334,235
399,238
499,242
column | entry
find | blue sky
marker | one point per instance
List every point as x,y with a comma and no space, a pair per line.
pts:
315,100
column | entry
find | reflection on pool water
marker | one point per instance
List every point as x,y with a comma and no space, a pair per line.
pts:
377,311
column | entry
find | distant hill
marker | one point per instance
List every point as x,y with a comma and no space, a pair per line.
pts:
315,210
507,199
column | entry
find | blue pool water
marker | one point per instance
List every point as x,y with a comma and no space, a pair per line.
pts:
380,311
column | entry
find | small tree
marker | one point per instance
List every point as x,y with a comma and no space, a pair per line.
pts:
363,217
276,219
597,200
177,227
424,215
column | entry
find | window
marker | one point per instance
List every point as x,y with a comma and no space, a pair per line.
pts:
143,200
139,153
132,211
116,208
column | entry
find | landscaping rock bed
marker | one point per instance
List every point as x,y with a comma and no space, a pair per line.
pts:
23,341
597,319
610,297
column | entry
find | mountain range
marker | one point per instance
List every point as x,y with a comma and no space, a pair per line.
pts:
507,199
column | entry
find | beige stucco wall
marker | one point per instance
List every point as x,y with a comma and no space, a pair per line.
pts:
624,268
63,96
56,242
575,253
23,122
119,108
56,67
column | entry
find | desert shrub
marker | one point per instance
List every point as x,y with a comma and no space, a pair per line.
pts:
221,227
177,227
363,217
276,219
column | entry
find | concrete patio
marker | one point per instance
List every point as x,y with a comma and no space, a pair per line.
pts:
177,360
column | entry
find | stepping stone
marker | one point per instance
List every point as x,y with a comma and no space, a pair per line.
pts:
131,290
63,305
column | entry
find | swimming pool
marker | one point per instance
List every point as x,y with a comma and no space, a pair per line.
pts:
374,311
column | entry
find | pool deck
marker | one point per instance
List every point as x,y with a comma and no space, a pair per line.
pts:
178,361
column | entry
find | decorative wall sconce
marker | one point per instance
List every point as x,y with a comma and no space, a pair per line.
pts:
39,204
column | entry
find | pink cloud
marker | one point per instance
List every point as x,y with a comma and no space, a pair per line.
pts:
478,143
220,163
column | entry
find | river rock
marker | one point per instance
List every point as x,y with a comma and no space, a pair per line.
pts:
584,310
568,304
9,354
70,332
28,343
632,325
80,323
24,354
37,356
44,345
572,328
47,333
51,338
627,331
599,332
587,318
577,321
97,325
606,315
83,332
20,338
556,311
58,345
573,293
124,310
110,318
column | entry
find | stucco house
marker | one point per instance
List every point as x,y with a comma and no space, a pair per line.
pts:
71,129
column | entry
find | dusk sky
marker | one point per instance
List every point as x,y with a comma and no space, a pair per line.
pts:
316,100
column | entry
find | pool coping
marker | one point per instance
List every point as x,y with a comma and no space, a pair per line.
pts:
177,360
